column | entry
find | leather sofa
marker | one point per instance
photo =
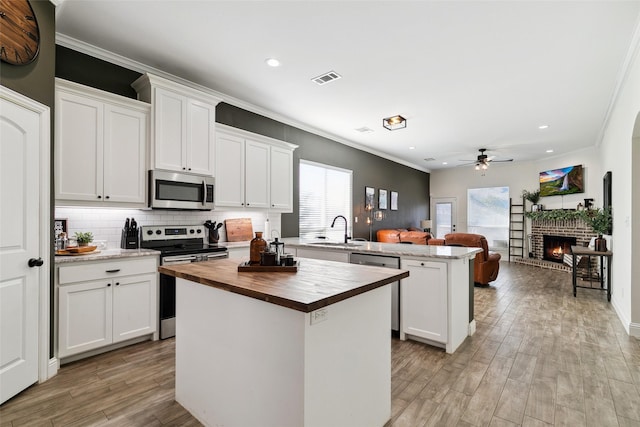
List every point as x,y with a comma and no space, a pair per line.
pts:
403,235
486,264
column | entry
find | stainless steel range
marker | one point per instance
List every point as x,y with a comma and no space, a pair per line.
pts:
178,244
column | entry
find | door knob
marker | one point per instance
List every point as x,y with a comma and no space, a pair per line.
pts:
33,262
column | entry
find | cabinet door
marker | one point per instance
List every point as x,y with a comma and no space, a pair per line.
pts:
201,119
256,174
79,138
424,300
85,320
281,172
170,111
125,134
134,306
229,158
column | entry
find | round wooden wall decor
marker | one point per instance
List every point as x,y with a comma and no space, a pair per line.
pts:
19,32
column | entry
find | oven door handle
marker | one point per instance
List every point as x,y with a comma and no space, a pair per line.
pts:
179,259
217,255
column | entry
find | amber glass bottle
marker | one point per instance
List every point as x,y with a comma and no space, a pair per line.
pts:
258,244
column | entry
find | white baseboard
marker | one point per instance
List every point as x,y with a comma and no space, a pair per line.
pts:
472,327
52,367
634,330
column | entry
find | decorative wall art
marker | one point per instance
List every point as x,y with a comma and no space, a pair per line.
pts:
369,198
382,199
394,200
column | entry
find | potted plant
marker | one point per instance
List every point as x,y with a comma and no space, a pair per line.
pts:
83,239
600,221
534,198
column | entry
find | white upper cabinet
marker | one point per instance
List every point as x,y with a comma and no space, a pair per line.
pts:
183,125
253,171
100,147
281,184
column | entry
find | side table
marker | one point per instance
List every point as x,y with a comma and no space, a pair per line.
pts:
586,252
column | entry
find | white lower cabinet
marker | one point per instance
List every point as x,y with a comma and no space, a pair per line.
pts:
104,303
424,300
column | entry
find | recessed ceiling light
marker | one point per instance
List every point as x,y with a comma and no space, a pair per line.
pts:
549,151
412,148
272,62
445,163
543,127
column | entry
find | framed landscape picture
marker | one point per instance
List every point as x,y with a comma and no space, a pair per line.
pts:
382,199
369,198
394,200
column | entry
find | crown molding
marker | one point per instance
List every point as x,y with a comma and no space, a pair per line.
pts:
105,55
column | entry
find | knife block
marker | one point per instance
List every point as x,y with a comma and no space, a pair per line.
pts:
129,240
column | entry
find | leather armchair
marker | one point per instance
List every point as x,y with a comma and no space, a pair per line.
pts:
486,264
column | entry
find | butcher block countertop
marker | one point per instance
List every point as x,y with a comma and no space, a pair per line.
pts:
316,284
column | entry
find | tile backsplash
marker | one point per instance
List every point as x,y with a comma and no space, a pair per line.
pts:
106,224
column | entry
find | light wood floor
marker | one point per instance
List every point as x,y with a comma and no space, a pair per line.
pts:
539,357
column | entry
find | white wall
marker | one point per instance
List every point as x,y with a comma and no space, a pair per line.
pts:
518,176
620,151
106,224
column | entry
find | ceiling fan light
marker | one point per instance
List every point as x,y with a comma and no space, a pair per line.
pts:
477,166
485,166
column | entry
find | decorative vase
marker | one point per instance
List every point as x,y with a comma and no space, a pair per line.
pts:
600,244
257,245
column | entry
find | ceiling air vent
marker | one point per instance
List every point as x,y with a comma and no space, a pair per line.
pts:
429,159
364,129
326,78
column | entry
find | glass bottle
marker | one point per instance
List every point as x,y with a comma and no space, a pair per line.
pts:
257,245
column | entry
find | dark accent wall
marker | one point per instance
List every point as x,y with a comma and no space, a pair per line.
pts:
36,81
89,71
368,169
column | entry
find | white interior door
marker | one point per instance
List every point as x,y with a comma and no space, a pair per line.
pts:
20,257
444,216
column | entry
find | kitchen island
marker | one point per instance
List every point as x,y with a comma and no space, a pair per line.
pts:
310,348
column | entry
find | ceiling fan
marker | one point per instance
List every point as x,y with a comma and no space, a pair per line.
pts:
482,161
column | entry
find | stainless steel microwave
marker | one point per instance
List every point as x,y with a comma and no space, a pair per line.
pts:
174,190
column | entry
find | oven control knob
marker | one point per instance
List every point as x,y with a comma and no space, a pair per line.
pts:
149,232
158,232
192,231
198,231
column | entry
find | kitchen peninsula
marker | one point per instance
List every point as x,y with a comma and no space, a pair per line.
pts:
310,348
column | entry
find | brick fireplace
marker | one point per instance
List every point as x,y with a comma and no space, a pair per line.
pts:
572,228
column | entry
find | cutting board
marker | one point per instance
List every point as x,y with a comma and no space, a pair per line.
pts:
238,229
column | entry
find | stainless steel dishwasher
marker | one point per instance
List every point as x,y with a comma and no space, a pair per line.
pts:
389,262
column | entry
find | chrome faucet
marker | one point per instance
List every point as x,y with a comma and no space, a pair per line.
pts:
346,238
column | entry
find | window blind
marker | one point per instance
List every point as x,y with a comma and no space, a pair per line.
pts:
325,192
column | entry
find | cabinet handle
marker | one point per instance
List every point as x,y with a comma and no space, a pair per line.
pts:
247,204
273,206
108,284
99,197
117,283
112,271
422,264
189,168
184,168
106,197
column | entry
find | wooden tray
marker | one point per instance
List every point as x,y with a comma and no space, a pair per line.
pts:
245,266
84,250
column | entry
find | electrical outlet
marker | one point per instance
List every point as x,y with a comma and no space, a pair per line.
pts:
319,315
